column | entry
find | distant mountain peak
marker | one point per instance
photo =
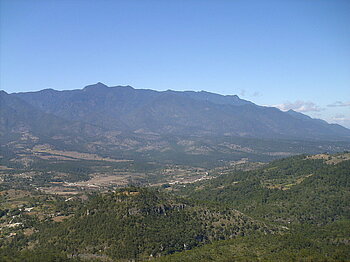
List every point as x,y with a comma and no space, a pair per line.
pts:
97,85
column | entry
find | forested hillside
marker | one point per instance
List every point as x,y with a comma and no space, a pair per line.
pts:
308,195
300,189
331,243
291,209
137,223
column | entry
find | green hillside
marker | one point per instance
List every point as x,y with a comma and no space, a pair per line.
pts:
139,223
308,195
289,191
302,244
294,209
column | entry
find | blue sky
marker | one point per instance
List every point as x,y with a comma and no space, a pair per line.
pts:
291,54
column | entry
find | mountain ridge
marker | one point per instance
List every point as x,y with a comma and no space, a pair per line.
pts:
124,108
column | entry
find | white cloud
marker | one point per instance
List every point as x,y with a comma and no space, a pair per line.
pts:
299,106
339,104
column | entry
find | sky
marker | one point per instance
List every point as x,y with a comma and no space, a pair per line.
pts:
292,54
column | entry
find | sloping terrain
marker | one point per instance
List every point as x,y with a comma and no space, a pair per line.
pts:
292,209
178,113
192,128
18,118
302,244
136,223
309,195
294,190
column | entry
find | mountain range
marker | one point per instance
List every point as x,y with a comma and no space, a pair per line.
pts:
97,109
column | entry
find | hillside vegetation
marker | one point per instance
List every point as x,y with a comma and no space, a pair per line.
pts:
294,209
294,190
138,223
